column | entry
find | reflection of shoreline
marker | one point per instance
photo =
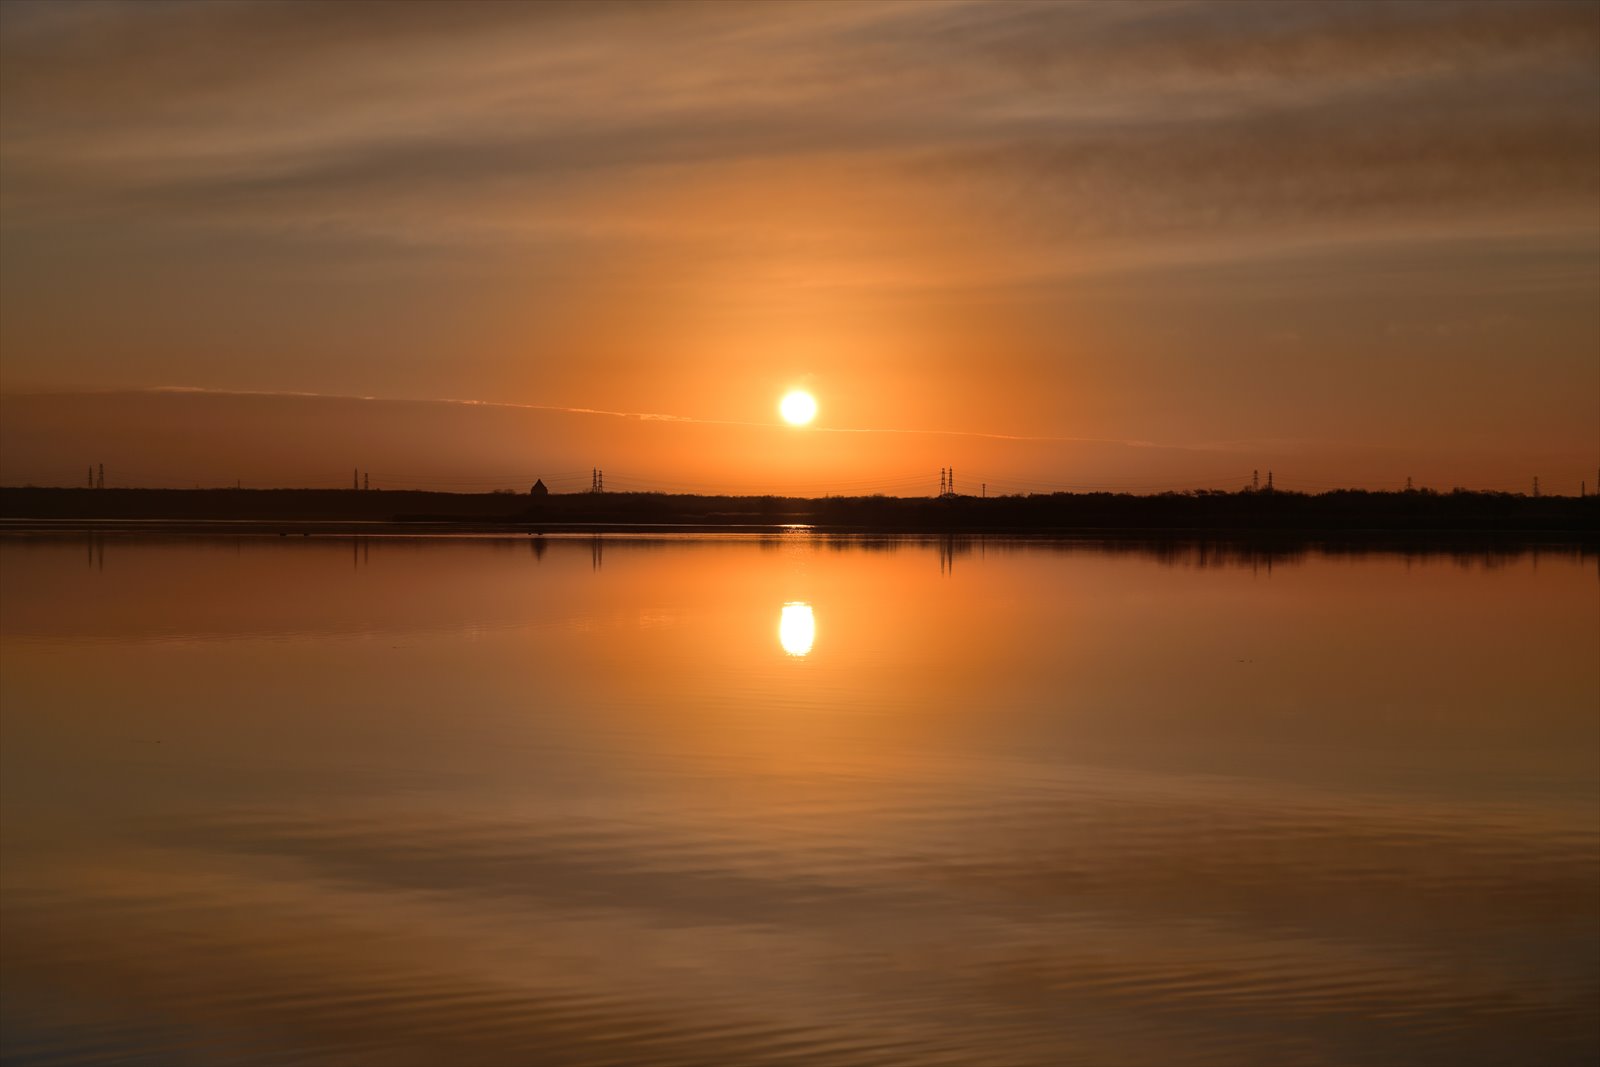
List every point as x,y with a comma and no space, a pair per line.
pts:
1157,542
1166,549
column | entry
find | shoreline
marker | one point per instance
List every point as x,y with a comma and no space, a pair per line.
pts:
1422,518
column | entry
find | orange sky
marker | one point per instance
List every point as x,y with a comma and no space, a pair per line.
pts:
1163,244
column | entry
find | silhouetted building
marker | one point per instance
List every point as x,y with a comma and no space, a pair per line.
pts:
539,489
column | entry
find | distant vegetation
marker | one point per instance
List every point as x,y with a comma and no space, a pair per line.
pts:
1265,511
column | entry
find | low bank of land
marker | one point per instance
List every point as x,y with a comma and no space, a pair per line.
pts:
1342,512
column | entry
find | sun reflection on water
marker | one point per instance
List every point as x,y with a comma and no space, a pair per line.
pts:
797,629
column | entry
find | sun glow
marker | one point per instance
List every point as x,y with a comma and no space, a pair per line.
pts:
798,408
797,629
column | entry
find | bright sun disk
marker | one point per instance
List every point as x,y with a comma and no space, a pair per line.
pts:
798,408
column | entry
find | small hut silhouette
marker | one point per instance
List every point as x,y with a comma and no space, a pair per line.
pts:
539,489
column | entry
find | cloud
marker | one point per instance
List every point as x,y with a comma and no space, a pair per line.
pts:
642,416
525,123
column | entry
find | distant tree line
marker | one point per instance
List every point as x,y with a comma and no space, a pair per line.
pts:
1245,512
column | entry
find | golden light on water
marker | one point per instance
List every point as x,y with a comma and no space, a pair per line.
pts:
797,629
798,407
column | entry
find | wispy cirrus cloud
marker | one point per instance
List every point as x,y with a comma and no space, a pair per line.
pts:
642,416
499,121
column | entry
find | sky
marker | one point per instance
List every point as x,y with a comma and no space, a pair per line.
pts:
1123,245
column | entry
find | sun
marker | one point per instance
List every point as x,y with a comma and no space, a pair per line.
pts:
798,408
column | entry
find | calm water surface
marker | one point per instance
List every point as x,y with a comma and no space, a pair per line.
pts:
389,801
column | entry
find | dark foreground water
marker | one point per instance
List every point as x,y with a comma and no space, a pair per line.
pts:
388,801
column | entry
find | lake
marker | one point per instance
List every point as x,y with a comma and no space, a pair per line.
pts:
795,799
